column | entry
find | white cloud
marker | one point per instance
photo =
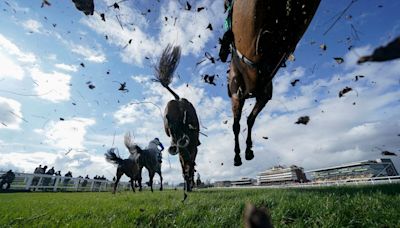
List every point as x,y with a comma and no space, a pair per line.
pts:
67,134
141,46
9,47
141,78
10,69
192,37
32,25
91,55
10,114
26,162
51,86
66,67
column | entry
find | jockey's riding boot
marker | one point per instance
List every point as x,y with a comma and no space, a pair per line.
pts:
225,45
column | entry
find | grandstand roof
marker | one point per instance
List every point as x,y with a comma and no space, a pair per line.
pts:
364,162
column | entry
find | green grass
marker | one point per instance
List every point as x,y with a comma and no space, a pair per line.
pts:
366,206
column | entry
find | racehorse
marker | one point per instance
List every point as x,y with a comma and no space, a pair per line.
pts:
180,118
265,33
144,158
128,167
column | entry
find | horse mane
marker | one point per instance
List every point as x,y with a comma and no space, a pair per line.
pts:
167,65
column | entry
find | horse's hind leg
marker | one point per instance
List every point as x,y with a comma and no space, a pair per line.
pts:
258,107
140,178
119,174
132,185
161,181
151,176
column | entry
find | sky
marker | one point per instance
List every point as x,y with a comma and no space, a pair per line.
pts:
50,56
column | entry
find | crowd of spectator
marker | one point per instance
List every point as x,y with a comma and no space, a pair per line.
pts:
7,178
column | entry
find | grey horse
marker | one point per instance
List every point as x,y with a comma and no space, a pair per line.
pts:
148,158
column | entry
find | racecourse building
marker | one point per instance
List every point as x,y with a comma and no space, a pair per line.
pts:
363,169
243,182
225,183
281,175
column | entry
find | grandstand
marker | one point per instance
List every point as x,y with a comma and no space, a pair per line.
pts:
382,167
223,183
281,175
244,181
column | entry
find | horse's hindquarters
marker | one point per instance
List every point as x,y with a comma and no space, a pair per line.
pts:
270,27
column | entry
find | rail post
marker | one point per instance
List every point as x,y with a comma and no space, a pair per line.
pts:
39,183
57,181
29,182
91,186
76,184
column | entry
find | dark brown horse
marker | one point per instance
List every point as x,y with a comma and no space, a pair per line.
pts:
265,33
129,167
180,118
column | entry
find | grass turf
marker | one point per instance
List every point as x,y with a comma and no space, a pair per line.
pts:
361,206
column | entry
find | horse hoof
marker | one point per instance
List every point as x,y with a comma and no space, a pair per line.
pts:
237,161
249,154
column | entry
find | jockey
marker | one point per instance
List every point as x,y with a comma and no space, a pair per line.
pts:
227,39
155,144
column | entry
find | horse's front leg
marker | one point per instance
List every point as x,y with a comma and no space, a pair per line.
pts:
258,107
185,172
237,106
237,100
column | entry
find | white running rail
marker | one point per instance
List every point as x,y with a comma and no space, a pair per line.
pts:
43,182
354,181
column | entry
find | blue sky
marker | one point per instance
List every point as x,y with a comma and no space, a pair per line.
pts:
41,81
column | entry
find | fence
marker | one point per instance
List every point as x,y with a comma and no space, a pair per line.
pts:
42,182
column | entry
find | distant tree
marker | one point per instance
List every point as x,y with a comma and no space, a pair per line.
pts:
198,181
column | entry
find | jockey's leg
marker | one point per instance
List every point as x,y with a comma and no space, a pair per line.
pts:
225,45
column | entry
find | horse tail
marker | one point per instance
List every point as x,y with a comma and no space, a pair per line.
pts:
112,157
129,142
167,65
172,92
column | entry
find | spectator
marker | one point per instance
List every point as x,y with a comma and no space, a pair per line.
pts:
7,178
46,181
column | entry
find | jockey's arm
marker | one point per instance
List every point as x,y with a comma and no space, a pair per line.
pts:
161,145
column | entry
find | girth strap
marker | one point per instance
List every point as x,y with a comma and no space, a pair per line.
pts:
244,58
